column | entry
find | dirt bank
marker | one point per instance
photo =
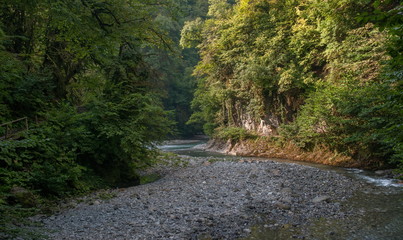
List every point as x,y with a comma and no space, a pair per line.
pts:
265,148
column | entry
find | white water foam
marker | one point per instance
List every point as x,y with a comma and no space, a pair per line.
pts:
382,181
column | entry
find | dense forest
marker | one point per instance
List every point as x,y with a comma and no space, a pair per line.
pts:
100,83
316,76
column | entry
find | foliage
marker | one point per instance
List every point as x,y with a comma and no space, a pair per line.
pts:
377,111
110,140
124,140
12,217
81,69
320,73
45,161
191,33
149,178
234,134
387,16
174,67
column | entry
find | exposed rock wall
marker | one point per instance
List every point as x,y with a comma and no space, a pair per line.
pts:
264,127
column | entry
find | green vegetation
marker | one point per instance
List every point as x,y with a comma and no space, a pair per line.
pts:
234,134
107,195
317,74
149,178
175,66
101,82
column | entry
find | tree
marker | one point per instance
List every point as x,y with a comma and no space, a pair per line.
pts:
307,69
80,66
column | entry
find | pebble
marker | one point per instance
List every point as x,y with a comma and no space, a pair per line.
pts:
223,200
321,199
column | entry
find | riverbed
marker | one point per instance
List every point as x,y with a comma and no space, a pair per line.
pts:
206,195
378,207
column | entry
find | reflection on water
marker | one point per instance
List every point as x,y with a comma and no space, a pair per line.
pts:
379,209
194,148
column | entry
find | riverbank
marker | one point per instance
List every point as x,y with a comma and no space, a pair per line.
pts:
209,198
262,147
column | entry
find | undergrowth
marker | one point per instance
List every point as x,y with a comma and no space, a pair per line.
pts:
234,134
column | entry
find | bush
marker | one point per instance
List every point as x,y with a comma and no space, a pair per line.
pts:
316,120
70,152
40,163
234,134
126,131
361,120
372,122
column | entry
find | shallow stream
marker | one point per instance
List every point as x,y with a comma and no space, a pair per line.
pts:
379,207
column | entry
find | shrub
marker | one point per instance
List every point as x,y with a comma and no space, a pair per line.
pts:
234,134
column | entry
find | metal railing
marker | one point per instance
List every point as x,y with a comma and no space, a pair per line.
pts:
10,131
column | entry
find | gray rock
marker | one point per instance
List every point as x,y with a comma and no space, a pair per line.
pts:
283,206
321,199
286,190
380,172
221,200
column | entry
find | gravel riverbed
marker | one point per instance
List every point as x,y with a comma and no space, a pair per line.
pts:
208,199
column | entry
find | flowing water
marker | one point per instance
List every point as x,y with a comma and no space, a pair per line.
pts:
379,208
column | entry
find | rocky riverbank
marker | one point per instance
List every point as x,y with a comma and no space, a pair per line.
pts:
208,199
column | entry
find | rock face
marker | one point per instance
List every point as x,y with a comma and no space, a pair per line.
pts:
240,148
262,126
221,200
230,148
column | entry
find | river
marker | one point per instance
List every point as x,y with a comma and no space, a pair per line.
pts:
379,208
